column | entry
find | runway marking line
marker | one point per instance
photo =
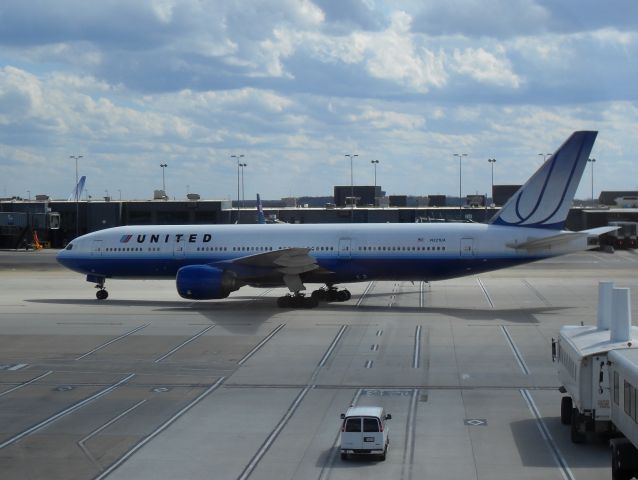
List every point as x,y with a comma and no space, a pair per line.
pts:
158,430
547,436
6,392
485,293
260,344
46,422
81,443
272,437
184,343
104,345
365,292
517,354
327,466
416,356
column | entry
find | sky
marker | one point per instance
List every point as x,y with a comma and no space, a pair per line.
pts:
294,86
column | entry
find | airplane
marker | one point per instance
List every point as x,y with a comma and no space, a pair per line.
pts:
77,191
261,218
211,261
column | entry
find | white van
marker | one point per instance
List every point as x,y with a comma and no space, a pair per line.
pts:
364,432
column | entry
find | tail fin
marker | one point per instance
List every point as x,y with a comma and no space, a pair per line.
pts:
77,191
260,211
544,201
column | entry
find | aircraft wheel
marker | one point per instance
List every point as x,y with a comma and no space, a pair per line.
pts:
102,294
311,302
348,294
342,295
284,302
321,295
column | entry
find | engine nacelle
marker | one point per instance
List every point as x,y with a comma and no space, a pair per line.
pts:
203,282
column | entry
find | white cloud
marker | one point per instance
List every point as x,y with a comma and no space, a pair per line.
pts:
485,67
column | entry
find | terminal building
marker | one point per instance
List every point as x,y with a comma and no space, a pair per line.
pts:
57,222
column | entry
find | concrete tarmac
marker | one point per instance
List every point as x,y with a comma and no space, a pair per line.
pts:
146,385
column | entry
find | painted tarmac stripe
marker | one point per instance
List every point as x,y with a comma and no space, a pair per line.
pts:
547,436
421,294
248,470
260,344
104,345
25,383
515,351
368,364
365,292
408,451
183,344
82,442
416,356
291,410
18,366
487,295
332,346
64,412
326,469
157,431
538,294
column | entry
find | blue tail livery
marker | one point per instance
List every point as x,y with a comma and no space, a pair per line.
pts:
544,201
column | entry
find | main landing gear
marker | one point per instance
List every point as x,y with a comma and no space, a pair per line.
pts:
297,300
331,294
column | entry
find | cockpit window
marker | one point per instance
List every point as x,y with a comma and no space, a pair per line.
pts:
69,246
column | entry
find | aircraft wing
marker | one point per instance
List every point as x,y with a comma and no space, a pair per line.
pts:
288,261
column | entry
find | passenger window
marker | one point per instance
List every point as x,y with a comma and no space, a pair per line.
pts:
370,425
353,425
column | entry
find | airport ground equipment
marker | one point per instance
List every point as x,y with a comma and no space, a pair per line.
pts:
623,371
364,432
625,237
583,365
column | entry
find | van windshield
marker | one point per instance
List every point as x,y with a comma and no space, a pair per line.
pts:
353,425
370,425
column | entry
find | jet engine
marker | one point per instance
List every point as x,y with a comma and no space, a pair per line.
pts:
203,282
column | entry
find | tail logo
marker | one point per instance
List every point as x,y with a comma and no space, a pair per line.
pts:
544,201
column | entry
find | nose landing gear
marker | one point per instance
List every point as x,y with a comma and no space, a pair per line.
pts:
101,294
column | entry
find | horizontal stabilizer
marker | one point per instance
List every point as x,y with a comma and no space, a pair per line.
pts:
547,242
594,232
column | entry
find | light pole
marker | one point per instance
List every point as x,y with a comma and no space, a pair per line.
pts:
107,193
592,161
164,165
239,165
492,162
120,192
29,194
375,163
460,155
77,196
243,165
351,156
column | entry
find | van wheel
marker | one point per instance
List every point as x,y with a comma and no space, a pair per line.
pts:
566,406
382,456
344,456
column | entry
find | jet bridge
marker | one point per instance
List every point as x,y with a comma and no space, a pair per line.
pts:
582,352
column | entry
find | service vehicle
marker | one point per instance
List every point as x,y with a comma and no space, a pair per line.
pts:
364,432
